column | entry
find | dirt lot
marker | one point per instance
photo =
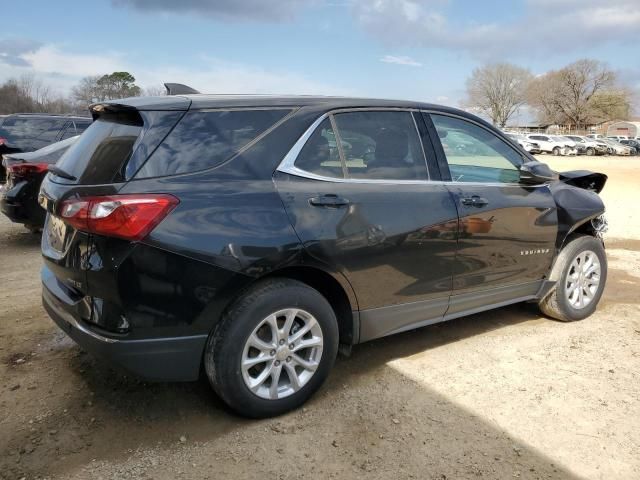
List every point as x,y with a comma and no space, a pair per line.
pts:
503,394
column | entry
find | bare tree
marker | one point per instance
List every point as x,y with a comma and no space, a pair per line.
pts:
87,91
155,91
582,93
498,90
29,94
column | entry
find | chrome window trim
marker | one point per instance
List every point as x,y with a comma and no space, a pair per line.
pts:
287,165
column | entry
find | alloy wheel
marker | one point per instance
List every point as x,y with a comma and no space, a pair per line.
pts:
583,279
282,354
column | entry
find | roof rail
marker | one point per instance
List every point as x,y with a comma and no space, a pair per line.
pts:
45,114
179,89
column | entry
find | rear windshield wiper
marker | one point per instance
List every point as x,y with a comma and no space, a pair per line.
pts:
60,173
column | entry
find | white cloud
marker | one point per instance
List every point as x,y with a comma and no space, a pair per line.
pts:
215,75
544,27
401,60
62,69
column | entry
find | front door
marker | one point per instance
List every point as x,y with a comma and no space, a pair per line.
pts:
507,230
360,199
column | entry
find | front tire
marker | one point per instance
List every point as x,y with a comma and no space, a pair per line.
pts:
590,152
272,349
580,273
556,151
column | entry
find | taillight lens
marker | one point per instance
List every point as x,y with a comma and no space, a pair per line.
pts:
131,217
26,169
3,141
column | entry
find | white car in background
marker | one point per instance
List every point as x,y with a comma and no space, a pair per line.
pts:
527,145
617,148
553,144
596,136
591,146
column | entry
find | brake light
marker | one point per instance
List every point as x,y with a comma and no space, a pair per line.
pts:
3,141
131,217
26,169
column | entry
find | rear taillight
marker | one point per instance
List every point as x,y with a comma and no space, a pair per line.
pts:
26,169
131,217
3,141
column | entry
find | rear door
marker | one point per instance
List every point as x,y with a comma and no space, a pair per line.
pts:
357,189
507,229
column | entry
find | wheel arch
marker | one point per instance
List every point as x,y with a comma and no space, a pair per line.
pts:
335,288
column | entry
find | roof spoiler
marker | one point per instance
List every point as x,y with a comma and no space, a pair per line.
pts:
179,89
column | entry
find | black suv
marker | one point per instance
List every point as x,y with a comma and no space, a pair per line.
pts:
27,132
251,236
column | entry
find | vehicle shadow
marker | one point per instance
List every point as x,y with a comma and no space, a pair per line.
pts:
351,422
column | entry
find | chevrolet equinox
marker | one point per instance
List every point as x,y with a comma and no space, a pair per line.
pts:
251,237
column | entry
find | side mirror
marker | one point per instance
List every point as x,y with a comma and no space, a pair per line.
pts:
535,173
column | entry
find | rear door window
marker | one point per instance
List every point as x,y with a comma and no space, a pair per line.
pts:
205,139
383,145
320,154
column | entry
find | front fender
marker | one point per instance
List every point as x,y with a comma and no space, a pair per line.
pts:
576,206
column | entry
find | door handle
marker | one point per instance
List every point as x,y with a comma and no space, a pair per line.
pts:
329,200
474,201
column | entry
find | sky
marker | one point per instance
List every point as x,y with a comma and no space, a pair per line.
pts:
410,49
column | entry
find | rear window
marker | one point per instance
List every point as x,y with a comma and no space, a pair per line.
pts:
18,128
205,139
101,150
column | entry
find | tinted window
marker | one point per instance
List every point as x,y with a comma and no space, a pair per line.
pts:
320,154
69,132
102,150
474,154
22,128
205,139
381,145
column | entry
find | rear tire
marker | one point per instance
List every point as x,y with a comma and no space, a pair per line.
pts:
590,152
556,151
580,273
258,342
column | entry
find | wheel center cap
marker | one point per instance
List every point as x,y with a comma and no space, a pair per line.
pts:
282,353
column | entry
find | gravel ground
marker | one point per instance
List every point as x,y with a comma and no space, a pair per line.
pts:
503,394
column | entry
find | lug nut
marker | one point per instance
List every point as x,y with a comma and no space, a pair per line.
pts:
272,352
291,346
281,342
288,359
276,363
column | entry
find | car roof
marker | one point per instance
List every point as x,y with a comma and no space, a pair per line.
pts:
203,101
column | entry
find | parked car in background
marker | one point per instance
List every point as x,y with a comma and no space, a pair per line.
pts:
229,235
617,148
595,136
572,148
25,172
27,132
527,145
617,138
635,144
552,144
588,146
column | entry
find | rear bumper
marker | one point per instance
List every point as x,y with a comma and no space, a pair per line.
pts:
157,359
20,205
